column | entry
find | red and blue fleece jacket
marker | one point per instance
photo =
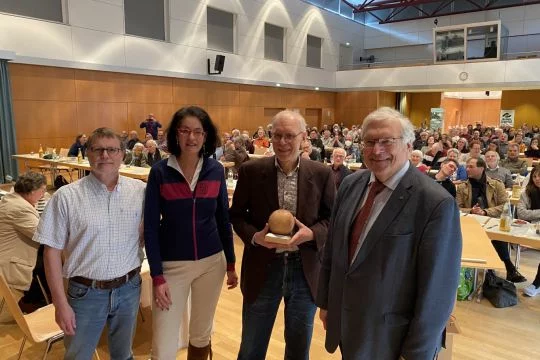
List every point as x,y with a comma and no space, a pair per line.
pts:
180,224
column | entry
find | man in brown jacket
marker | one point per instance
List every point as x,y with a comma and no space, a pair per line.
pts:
271,272
485,196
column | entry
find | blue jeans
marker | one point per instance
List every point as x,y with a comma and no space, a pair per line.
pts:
96,307
285,280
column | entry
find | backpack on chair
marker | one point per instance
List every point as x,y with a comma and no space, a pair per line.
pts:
60,181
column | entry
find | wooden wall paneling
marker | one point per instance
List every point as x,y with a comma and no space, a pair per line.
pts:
92,115
268,115
421,104
485,111
150,89
328,115
296,99
30,82
27,146
386,98
453,112
249,118
526,103
44,119
222,94
313,118
101,86
190,92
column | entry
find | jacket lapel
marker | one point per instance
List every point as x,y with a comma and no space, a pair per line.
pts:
393,208
268,183
305,186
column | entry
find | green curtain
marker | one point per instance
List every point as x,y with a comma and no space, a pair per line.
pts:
8,165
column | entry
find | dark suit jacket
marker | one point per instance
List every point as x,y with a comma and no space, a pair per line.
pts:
255,198
397,295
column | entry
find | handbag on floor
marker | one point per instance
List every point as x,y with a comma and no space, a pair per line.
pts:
500,292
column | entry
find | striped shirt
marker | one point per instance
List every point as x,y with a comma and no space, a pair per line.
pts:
97,229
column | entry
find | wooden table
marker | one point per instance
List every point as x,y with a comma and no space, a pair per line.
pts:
134,172
477,246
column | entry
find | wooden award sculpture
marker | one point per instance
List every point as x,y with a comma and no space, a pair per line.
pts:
281,224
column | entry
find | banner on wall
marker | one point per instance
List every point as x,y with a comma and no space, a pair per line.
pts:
437,118
507,117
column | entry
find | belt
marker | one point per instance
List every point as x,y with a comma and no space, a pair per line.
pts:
106,284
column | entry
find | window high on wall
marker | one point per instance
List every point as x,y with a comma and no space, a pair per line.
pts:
220,30
314,46
43,9
145,18
273,42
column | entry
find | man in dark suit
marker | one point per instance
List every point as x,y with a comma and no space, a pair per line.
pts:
339,170
272,272
391,262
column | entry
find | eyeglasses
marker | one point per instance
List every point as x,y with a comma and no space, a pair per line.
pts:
287,137
198,133
110,150
387,143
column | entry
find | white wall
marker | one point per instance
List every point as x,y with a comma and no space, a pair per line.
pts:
413,39
519,74
95,39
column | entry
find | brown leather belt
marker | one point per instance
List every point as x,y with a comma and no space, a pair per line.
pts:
106,284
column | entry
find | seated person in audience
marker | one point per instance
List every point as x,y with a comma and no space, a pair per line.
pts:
124,137
462,146
133,139
18,252
485,196
429,143
518,139
475,152
261,140
443,177
137,157
434,157
308,152
421,141
147,137
80,144
513,162
248,142
337,138
236,152
533,151
316,142
339,170
352,149
492,146
495,171
416,160
269,130
461,173
153,154
528,209
327,139
161,140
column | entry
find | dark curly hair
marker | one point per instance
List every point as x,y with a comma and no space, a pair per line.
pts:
209,128
28,182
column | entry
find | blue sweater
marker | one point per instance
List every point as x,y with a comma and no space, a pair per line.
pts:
183,225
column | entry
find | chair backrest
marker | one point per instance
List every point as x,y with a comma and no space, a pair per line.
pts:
13,307
63,152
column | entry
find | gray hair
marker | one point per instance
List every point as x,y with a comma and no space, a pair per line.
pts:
456,151
290,115
385,114
28,182
138,145
151,142
496,154
417,152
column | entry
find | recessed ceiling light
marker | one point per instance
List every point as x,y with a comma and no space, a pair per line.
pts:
278,85
347,44
317,88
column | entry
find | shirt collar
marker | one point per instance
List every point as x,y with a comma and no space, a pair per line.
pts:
394,180
280,169
96,182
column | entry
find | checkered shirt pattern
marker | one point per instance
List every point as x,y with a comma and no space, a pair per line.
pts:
97,229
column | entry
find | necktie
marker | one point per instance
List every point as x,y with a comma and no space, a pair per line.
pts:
362,217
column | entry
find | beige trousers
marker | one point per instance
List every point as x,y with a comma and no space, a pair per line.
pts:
204,279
